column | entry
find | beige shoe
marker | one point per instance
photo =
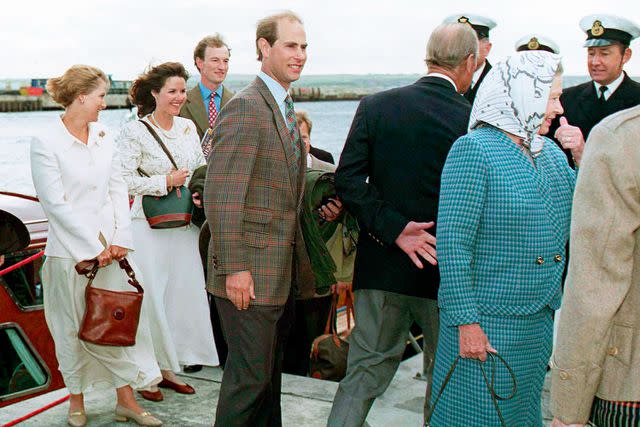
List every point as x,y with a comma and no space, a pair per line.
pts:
144,418
77,419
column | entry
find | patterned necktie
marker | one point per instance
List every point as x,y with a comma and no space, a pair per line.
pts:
601,98
213,113
293,128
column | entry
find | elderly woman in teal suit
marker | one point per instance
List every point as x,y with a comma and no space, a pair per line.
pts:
503,224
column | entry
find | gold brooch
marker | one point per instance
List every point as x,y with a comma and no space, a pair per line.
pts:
463,20
101,134
597,29
187,130
533,44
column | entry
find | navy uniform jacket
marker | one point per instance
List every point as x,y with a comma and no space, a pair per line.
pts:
389,174
582,108
470,94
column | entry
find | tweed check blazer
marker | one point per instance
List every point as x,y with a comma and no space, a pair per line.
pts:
195,110
598,349
252,200
502,228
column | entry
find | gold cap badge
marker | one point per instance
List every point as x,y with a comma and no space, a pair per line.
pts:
463,20
597,29
533,44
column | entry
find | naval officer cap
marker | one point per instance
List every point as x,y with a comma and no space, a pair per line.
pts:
481,24
537,42
604,30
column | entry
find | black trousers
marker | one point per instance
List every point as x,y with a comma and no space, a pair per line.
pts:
309,323
252,378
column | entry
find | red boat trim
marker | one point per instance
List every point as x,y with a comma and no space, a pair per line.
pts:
22,196
21,263
37,411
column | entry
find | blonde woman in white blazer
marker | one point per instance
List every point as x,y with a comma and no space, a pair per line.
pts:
77,177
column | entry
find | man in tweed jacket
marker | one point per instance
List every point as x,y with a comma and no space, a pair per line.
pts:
253,195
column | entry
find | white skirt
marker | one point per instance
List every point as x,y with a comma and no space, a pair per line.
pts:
84,365
174,281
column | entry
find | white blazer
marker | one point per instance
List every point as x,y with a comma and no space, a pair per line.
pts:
81,190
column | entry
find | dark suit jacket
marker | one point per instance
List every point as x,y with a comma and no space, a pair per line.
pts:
252,199
195,110
470,94
582,108
399,140
320,154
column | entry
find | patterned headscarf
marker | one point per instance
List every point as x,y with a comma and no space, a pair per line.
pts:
513,96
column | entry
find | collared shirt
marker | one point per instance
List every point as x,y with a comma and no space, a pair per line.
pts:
611,87
277,91
447,78
206,94
477,74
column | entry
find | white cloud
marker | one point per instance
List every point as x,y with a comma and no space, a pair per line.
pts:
42,38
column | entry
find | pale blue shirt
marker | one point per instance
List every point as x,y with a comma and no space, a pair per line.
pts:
277,91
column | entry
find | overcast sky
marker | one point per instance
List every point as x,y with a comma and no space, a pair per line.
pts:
42,38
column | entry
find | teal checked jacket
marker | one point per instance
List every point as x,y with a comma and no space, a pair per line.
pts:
503,226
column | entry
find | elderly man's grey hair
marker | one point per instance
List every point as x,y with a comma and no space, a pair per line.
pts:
450,45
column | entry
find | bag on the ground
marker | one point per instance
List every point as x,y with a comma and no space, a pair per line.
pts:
173,210
110,317
328,359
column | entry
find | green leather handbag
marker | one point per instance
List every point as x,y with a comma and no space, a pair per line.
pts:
173,210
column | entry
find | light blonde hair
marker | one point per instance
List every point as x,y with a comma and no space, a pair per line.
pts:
215,40
77,80
303,117
268,28
450,44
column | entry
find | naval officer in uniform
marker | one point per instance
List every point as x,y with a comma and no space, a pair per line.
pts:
482,26
610,89
537,42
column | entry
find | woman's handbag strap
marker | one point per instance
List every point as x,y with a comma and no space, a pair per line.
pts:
157,138
90,269
491,357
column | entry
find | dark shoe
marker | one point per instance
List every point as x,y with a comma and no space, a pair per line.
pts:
189,369
153,396
178,388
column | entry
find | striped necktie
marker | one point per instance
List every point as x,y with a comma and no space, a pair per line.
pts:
292,126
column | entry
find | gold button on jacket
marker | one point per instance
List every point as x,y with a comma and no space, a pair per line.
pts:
540,260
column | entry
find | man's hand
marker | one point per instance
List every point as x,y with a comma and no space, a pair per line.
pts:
197,201
331,210
118,252
571,139
240,289
414,241
557,423
340,287
474,344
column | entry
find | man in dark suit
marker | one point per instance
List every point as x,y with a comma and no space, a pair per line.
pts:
253,195
389,178
610,89
481,25
203,106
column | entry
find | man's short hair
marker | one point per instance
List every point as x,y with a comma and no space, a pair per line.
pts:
303,117
215,40
267,28
450,44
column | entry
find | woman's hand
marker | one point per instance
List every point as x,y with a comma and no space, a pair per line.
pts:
474,344
331,210
196,200
177,178
118,252
104,258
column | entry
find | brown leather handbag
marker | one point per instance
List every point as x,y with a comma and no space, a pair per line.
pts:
328,359
110,317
